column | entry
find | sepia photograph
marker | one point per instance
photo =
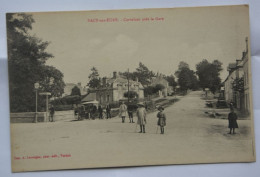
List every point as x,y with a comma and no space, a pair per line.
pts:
120,88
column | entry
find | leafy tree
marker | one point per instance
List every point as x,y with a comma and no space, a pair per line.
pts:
143,74
158,87
208,74
149,90
131,94
181,66
75,91
171,80
52,81
94,80
186,77
26,61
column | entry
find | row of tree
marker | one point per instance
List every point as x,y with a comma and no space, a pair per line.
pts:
207,75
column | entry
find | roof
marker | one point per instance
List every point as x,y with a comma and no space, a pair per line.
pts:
89,97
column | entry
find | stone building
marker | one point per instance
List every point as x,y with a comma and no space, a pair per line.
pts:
246,79
238,72
113,89
160,80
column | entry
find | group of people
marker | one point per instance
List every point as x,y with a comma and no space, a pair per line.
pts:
93,111
141,115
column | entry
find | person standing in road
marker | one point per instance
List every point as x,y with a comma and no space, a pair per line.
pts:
100,112
108,111
131,108
232,121
52,112
141,117
161,119
123,111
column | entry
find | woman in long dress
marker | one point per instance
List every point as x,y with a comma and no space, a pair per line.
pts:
123,111
232,121
141,117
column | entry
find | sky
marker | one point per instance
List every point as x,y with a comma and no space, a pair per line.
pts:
159,38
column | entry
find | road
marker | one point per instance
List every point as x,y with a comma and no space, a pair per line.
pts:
190,137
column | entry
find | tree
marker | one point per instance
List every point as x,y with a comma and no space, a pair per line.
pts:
75,91
149,90
181,66
131,94
94,80
52,81
26,60
171,80
186,77
143,74
208,74
158,87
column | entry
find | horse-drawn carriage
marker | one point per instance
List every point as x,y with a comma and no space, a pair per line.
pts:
87,110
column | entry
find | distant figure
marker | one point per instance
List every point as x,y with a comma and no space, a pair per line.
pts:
141,117
52,112
131,109
108,111
161,119
123,111
81,112
232,121
100,112
94,109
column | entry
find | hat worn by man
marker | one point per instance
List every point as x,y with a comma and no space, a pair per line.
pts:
160,108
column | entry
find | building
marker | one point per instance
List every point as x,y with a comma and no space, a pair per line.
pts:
160,80
237,83
246,80
69,86
113,89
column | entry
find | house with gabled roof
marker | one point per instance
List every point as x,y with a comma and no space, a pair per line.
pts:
113,89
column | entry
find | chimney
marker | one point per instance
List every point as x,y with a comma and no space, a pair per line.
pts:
136,79
104,81
114,75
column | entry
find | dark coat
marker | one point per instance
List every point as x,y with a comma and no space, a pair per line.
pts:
232,120
161,119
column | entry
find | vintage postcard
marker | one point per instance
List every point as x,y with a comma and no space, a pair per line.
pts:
119,88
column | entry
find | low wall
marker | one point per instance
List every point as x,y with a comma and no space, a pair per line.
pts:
64,115
28,117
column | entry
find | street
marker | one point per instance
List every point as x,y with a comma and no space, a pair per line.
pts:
190,137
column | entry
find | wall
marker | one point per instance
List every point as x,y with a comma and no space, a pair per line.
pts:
28,117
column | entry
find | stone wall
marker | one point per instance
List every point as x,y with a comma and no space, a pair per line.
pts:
28,117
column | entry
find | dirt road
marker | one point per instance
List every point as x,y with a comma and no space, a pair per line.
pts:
190,137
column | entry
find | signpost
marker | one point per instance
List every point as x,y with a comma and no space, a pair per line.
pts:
47,103
36,86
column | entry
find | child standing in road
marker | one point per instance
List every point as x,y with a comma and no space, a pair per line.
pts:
161,119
